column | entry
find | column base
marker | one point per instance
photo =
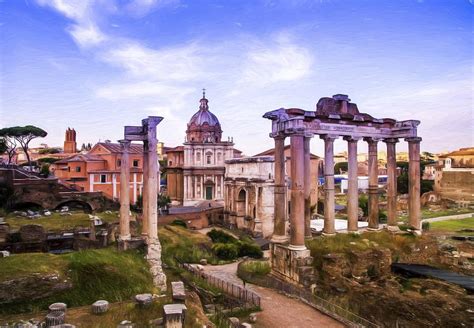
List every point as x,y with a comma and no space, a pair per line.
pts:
374,229
416,232
126,237
393,228
355,232
328,234
279,239
297,247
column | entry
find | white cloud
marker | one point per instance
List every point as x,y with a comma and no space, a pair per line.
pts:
87,35
130,90
143,7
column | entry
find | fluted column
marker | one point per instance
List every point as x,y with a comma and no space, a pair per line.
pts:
279,232
353,185
145,190
307,186
297,223
125,191
329,214
391,183
373,184
414,210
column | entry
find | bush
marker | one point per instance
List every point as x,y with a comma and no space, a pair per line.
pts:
364,204
179,223
425,226
219,236
249,249
226,251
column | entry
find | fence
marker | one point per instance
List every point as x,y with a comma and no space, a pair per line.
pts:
248,297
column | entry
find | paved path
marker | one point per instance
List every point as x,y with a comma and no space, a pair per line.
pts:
278,310
449,217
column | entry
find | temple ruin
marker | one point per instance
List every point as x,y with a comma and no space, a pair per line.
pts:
333,118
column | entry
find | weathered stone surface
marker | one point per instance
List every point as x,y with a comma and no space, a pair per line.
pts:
55,318
4,230
174,315
245,325
253,317
234,322
125,324
32,287
178,290
4,253
58,307
154,259
32,233
144,299
100,306
203,261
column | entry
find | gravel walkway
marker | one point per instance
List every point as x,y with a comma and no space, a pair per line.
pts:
278,309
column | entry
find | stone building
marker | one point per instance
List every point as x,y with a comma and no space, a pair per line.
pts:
70,145
454,176
99,170
249,191
196,170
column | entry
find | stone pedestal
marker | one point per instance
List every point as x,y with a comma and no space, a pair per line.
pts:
174,315
292,265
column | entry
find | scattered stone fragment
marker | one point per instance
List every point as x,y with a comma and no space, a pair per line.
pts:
245,325
253,317
174,315
4,253
100,306
64,209
144,299
234,322
47,213
203,261
210,308
55,318
177,287
58,307
125,324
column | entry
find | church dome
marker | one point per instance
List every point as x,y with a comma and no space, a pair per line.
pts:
204,125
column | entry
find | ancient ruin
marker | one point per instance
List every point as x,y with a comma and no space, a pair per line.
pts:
145,133
333,118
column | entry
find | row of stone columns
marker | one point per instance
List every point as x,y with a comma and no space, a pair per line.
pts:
301,186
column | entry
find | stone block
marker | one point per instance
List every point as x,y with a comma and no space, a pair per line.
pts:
32,233
210,308
203,261
179,293
4,231
245,325
144,299
234,322
100,306
253,317
58,307
174,315
126,324
55,318
4,253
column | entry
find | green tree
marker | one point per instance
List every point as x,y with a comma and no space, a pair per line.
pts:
163,201
9,143
341,167
427,157
24,135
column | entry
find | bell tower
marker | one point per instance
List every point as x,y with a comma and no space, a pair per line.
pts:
70,145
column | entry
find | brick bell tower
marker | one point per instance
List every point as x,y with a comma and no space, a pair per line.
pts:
70,145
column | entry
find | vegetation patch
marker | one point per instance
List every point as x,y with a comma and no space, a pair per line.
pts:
453,225
251,271
228,247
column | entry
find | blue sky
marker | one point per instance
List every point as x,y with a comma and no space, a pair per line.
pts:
99,65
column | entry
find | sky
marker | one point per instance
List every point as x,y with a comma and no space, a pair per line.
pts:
97,65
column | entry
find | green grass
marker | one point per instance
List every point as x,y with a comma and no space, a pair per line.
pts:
427,214
452,225
95,274
56,222
251,270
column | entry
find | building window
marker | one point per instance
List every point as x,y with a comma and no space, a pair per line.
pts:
78,169
208,159
198,157
170,163
103,178
135,162
219,155
119,163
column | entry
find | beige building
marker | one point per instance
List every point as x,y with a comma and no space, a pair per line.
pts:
454,176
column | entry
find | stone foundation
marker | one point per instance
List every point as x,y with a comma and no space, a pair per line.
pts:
154,259
292,265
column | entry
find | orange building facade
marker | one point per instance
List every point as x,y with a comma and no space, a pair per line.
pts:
99,170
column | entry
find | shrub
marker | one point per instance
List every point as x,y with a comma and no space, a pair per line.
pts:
250,249
219,236
425,226
226,251
179,223
364,204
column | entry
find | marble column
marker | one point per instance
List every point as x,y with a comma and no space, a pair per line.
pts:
373,184
279,232
297,223
145,190
329,201
125,190
307,186
414,204
353,186
153,179
391,184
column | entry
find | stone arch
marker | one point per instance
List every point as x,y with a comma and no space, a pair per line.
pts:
26,205
241,202
76,204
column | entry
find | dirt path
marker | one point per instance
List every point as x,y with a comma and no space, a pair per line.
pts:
278,310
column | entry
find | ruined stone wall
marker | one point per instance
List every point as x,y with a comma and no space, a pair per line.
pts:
457,185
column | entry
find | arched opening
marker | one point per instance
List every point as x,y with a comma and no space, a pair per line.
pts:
76,205
209,190
27,206
242,196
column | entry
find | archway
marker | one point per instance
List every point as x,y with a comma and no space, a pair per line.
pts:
241,201
76,205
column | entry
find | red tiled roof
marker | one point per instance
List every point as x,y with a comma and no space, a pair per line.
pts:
461,152
81,158
116,148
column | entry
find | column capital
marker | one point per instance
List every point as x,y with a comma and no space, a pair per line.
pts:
371,139
351,138
308,135
277,136
413,139
390,140
328,137
125,144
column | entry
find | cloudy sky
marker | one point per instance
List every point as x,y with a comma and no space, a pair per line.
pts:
97,65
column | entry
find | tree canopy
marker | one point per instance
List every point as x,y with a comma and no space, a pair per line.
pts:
23,135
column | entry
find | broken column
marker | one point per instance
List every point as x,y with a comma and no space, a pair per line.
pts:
150,128
125,191
353,187
414,204
391,184
329,205
373,184
174,315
